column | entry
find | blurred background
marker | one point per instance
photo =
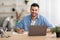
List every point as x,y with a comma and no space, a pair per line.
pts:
48,8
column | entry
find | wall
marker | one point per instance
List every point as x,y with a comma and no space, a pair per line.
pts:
55,12
7,5
51,10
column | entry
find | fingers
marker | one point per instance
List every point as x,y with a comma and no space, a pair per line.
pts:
20,31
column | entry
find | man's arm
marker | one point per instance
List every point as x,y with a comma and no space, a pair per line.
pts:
49,26
19,27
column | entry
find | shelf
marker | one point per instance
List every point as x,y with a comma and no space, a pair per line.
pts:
13,5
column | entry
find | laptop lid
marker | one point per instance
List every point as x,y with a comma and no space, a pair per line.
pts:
35,30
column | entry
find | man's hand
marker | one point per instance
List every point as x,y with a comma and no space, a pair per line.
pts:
20,31
48,30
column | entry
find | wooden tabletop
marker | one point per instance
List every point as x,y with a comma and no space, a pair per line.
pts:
49,36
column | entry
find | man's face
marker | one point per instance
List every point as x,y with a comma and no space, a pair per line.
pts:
34,11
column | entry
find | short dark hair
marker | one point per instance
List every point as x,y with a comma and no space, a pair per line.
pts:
35,5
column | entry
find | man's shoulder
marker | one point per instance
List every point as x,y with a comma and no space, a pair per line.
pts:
26,17
41,16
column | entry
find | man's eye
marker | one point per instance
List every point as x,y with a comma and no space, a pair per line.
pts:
32,10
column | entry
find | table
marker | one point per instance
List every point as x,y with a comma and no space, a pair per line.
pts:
26,37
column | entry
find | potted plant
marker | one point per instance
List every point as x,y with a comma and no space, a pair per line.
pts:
56,30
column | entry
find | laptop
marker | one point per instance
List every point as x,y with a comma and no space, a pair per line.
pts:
35,30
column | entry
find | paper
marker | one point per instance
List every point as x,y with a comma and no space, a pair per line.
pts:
15,33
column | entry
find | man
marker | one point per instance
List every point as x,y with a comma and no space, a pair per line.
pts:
33,19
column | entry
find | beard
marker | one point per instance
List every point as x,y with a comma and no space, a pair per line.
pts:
34,14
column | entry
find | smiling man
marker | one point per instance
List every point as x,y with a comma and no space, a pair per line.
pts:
33,19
